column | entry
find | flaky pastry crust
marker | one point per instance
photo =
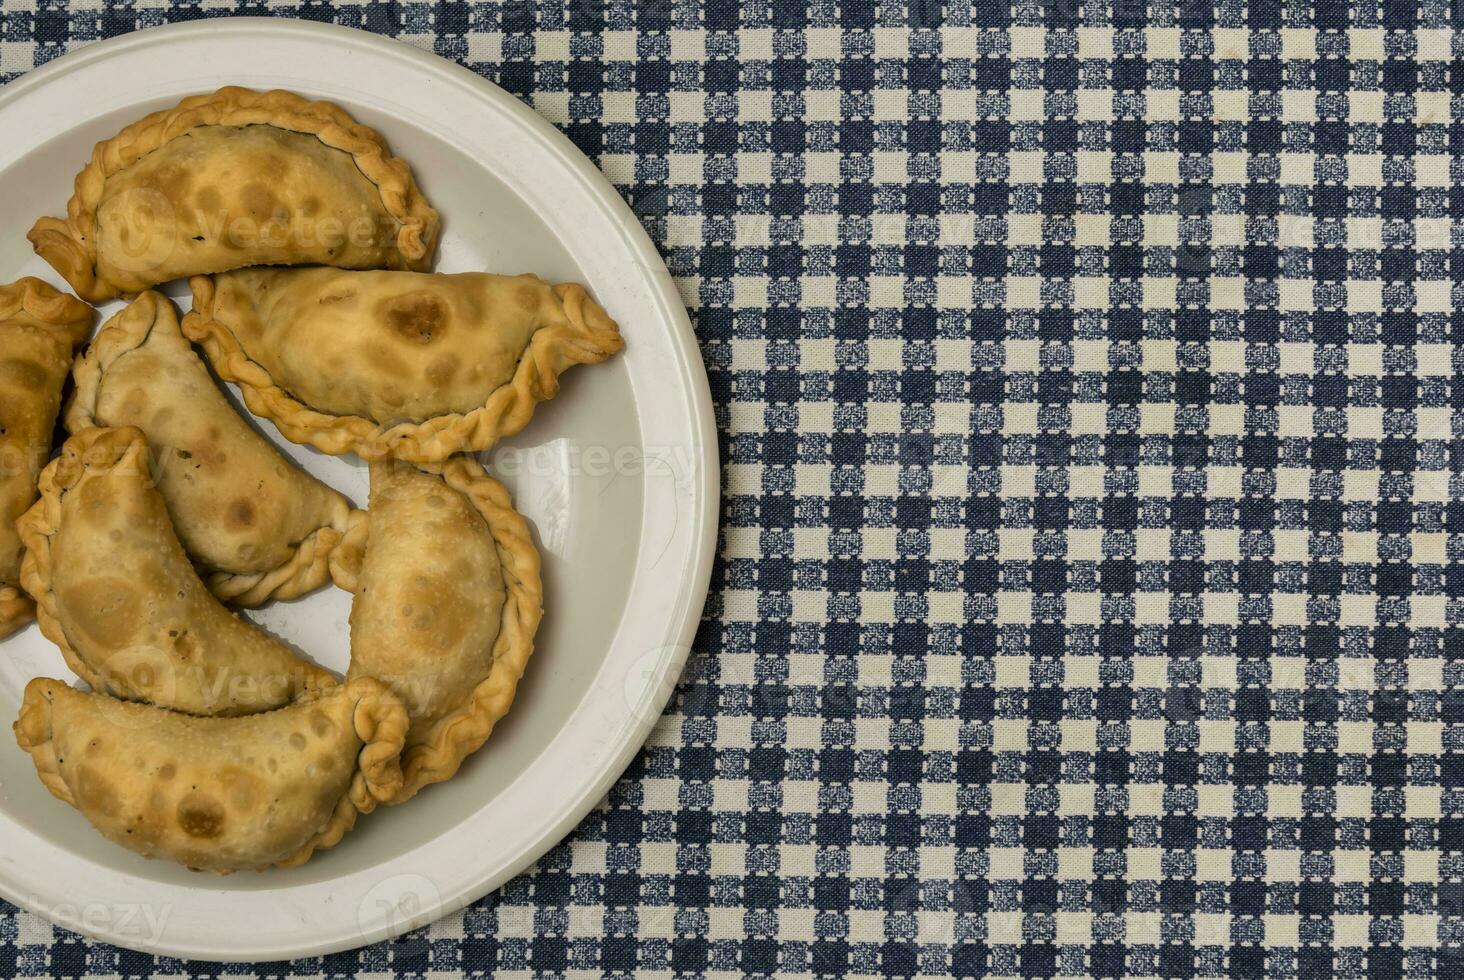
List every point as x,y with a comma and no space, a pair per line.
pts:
437,746
123,602
39,327
587,336
218,794
259,527
70,245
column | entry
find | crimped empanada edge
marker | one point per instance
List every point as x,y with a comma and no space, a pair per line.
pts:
589,337
69,244
33,735
45,303
96,448
462,732
304,570
120,335
307,568
69,320
379,717
381,723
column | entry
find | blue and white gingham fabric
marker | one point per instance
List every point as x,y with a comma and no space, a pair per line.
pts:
1089,600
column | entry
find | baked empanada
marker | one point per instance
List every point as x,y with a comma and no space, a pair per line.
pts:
116,592
233,179
259,526
218,794
395,363
448,598
39,327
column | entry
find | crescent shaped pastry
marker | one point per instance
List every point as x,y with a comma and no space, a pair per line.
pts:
397,364
259,526
39,328
232,179
116,592
448,598
217,794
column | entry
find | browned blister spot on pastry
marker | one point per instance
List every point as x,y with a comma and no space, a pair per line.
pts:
95,791
244,789
259,201
208,200
134,405
442,369
108,610
173,181
241,513
428,603
272,166
19,372
321,724
386,360
417,317
185,645
218,793
201,816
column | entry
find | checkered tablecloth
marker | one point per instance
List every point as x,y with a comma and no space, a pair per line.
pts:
1088,600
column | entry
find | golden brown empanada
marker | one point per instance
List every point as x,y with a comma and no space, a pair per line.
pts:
218,794
116,592
233,179
395,363
39,327
448,598
259,526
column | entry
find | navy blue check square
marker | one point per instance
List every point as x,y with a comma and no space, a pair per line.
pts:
1089,599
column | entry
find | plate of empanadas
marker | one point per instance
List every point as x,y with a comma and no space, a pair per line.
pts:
359,489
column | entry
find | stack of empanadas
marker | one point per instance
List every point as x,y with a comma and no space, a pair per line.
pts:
308,248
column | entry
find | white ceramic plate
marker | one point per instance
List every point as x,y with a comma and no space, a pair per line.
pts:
618,475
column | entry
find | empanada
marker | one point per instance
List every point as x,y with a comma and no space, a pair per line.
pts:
259,526
218,794
233,179
395,363
39,327
116,592
448,598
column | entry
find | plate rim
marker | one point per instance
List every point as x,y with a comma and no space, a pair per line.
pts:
705,481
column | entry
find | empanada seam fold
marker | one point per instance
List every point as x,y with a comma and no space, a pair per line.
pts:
305,568
381,723
69,245
36,528
33,733
347,555
118,336
71,318
463,732
342,821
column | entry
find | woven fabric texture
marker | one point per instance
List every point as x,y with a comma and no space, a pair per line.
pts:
1088,601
